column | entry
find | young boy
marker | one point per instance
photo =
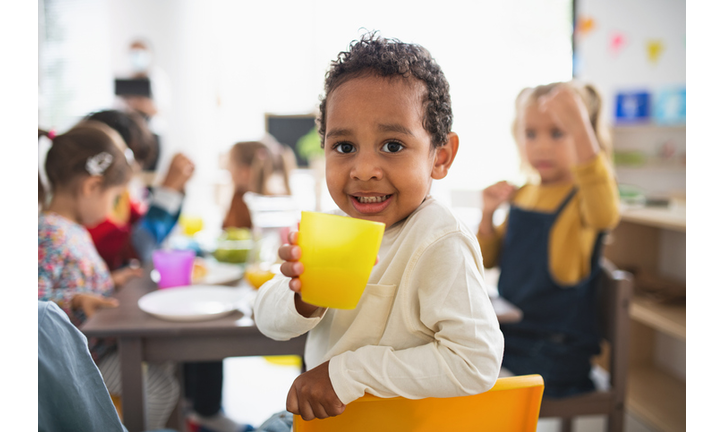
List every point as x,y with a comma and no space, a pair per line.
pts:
424,325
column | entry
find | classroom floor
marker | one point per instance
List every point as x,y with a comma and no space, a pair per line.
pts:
271,382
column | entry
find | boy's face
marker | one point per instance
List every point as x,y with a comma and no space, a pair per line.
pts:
379,158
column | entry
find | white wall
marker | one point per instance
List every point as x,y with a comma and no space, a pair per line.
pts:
231,62
629,68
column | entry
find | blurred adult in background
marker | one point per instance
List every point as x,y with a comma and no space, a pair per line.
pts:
142,65
152,106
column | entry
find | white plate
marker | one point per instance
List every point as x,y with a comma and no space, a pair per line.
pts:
220,273
192,303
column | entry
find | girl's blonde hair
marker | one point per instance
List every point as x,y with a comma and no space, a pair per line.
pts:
265,158
590,96
80,150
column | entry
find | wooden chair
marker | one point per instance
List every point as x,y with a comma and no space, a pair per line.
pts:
615,292
510,406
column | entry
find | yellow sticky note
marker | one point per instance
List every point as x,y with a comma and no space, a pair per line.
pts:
654,48
585,25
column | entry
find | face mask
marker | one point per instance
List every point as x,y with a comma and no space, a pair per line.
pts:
140,60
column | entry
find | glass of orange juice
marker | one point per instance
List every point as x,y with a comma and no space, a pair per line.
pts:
263,261
256,275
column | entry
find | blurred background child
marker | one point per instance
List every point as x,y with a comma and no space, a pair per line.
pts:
87,169
548,249
139,224
136,227
261,167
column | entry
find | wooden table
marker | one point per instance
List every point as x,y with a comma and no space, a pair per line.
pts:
143,337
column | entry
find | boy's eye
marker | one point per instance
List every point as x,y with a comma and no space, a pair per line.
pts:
392,147
556,133
529,134
344,148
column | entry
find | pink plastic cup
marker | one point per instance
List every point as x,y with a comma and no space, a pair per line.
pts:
174,267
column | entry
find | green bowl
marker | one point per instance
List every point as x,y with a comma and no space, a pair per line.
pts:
233,251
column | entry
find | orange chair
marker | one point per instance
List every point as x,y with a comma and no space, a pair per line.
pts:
512,405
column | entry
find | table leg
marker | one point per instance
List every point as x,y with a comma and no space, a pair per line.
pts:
132,397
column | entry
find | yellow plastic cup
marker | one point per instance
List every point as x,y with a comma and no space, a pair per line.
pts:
338,254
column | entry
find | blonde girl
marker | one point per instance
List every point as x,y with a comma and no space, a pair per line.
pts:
549,247
87,168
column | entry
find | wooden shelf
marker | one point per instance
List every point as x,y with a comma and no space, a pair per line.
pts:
657,397
639,127
669,319
653,168
673,219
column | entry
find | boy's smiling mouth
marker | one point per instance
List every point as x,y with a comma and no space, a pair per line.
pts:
370,203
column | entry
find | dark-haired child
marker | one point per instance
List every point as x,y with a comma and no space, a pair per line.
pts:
134,229
424,326
87,169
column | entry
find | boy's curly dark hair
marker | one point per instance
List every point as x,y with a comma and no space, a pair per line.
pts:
374,55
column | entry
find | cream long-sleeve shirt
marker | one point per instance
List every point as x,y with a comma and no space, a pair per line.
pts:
424,326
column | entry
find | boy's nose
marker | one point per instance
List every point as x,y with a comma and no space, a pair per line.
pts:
366,167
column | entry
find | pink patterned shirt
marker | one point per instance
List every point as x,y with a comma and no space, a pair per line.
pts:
68,264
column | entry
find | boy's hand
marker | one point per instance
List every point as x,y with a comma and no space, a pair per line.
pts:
90,303
497,194
121,276
291,267
312,395
179,172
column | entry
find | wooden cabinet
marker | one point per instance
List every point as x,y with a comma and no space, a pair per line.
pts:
654,240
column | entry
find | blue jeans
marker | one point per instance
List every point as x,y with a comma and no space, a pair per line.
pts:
279,422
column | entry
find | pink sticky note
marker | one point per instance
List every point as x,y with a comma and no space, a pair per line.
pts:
616,43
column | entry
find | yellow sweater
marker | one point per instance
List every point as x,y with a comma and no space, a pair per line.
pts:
592,209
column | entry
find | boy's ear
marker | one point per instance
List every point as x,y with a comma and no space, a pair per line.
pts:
444,156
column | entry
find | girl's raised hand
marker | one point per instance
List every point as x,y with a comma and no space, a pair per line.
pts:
566,107
496,194
179,172
569,112
90,303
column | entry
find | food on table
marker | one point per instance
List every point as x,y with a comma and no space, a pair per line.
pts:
234,245
200,269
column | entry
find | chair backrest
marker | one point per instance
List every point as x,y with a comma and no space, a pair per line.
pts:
615,291
511,405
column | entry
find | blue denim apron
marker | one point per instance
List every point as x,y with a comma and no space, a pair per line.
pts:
558,333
